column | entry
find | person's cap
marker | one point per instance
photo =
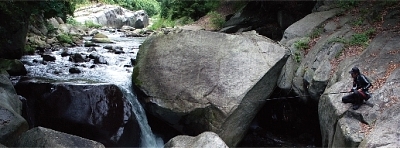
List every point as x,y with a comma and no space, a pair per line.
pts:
354,70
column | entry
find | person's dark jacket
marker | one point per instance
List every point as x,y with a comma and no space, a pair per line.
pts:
361,82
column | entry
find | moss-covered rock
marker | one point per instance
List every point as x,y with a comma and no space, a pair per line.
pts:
13,67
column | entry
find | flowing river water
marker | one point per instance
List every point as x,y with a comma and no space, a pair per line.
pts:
118,71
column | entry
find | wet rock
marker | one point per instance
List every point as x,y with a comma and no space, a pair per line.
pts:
112,30
119,51
99,112
130,28
101,40
115,49
74,70
100,35
100,60
133,61
47,57
37,61
93,32
132,34
93,55
90,44
65,53
109,47
91,49
44,137
77,58
12,124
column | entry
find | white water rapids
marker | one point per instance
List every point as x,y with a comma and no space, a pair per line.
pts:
118,71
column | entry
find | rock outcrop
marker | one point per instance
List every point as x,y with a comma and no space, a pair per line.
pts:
216,85
376,118
335,42
12,124
111,16
206,139
98,112
52,33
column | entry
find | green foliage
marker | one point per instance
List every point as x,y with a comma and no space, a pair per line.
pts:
389,2
49,8
161,23
361,38
184,20
297,57
29,50
91,24
175,9
216,19
64,38
302,44
72,21
50,28
356,39
54,8
347,4
338,40
152,7
316,32
358,22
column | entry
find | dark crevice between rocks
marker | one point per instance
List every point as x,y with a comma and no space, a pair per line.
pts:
161,129
284,123
280,123
268,18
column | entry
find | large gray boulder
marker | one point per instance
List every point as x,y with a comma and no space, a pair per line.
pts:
205,139
206,81
44,137
306,25
111,16
99,112
12,124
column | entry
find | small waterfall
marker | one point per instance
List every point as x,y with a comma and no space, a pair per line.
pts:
148,139
115,72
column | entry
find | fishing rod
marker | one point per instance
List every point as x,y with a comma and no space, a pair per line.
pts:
342,92
282,98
